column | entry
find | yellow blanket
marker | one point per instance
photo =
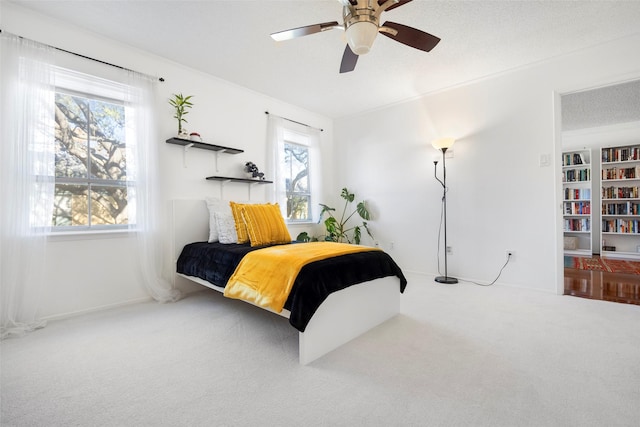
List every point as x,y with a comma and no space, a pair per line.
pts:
265,276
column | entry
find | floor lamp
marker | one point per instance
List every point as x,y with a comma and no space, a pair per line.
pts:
443,144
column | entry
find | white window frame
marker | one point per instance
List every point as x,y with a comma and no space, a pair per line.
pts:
91,87
284,131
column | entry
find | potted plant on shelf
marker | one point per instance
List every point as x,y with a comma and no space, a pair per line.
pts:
338,230
252,171
181,104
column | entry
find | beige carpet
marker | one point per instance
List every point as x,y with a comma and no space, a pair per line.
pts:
459,355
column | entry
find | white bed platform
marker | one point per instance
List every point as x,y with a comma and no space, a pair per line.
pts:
343,316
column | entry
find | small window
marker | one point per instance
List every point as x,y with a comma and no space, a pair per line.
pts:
90,162
296,167
296,162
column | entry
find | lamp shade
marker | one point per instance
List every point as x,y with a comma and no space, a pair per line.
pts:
441,143
360,36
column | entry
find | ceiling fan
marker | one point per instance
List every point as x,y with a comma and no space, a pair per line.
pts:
362,24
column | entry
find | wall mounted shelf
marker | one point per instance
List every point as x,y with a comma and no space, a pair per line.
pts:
187,143
225,179
246,180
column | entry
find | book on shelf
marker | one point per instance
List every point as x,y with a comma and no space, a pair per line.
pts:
577,193
621,226
570,159
577,208
626,208
619,192
577,224
621,173
576,175
620,154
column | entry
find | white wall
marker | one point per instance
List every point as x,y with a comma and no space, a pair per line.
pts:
499,197
79,278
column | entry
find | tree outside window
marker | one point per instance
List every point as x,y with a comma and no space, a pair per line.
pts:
296,161
91,163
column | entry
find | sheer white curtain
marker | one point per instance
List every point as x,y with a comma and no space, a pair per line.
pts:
26,179
275,146
144,191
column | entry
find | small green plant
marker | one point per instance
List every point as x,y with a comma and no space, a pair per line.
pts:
338,230
304,237
181,103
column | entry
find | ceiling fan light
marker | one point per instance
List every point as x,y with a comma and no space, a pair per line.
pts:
360,36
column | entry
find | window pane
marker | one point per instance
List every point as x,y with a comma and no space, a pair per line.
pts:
71,136
90,155
296,165
298,208
107,148
70,205
109,205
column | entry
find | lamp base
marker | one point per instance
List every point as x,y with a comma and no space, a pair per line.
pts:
446,279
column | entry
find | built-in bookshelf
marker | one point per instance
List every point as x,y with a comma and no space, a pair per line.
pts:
576,187
620,182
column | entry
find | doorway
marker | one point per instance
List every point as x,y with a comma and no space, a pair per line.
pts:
601,193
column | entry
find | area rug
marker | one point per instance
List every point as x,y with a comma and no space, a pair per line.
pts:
602,264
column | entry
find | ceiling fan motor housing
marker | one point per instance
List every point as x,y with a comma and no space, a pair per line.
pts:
361,24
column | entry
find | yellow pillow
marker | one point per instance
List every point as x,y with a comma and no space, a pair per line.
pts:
265,224
241,228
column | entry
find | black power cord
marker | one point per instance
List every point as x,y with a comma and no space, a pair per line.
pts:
494,280
438,251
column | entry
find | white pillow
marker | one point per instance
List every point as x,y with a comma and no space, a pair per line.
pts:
226,227
215,205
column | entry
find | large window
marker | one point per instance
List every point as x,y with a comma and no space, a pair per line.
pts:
91,180
91,166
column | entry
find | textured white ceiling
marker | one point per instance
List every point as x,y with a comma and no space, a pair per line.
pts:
603,106
230,39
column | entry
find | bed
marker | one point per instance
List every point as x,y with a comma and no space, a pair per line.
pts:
343,313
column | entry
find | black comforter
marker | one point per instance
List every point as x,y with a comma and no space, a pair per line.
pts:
216,262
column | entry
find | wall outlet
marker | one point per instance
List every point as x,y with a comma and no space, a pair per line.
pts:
511,255
450,250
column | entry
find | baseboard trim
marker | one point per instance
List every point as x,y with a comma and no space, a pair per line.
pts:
95,309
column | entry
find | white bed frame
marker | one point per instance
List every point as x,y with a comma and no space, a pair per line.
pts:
343,316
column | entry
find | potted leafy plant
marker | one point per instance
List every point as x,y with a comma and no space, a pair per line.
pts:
181,104
338,230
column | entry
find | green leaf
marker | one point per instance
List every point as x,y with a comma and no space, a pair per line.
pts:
356,235
303,237
364,224
325,209
347,196
363,211
331,224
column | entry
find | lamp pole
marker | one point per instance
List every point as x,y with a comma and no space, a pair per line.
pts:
444,279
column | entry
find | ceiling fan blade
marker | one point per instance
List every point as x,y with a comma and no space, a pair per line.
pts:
400,3
303,31
349,60
411,36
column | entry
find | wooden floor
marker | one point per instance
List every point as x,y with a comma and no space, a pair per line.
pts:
617,287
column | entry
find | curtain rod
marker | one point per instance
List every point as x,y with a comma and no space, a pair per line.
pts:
293,121
88,57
